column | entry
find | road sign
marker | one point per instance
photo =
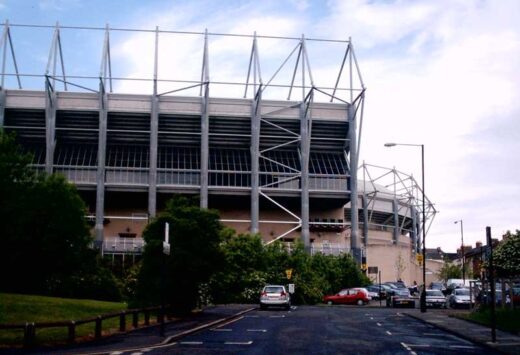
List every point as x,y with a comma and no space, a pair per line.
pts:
291,288
288,273
166,248
419,258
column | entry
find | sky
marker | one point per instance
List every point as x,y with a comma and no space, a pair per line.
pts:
443,73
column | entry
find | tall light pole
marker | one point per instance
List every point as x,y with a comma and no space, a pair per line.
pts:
423,293
462,251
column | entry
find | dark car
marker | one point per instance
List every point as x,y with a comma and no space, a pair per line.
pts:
438,286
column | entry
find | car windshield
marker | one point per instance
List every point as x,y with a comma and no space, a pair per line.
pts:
462,292
273,289
434,293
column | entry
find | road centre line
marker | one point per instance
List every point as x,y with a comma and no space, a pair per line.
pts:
282,316
408,348
378,324
387,332
252,316
229,322
257,330
221,330
239,342
191,342
462,347
419,345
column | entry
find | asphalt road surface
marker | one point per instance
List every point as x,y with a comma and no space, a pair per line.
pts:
320,330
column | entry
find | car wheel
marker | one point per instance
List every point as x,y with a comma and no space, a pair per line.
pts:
330,303
360,302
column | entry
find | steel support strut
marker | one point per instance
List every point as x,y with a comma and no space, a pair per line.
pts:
154,131
100,177
204,143
255,154
354,233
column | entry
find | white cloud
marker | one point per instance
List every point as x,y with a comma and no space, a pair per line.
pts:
442,73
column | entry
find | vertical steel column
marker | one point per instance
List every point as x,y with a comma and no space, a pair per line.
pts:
354,238
414,230
100,177
154,131
204,139
255,153
419,232
2,107
305,150
365,219
395,207
50,125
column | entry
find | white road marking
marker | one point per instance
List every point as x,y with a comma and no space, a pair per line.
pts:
282,316
408,348
221,330
378,324
372,318
251,316
136,353
294,308
419,345
116,352
191,342
387,332
257,330
146,350
239,342
231,321
462,347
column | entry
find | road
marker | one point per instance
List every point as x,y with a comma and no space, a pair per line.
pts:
319,330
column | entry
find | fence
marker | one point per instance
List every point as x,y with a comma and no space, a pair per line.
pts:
29,328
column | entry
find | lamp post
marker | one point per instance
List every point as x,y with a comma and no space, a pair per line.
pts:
462,251
423,293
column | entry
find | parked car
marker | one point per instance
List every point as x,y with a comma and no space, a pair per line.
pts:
435,299
459,298
438,286
357,296
375,292
275,295
399,297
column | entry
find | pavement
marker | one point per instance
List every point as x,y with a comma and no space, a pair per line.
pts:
506,343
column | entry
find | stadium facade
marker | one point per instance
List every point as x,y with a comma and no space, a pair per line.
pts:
281,167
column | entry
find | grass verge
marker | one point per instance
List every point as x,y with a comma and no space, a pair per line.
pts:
506,319
15,308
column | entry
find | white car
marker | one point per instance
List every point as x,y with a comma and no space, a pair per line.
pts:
275,295
435,299
460,298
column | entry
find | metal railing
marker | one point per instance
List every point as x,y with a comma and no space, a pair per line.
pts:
118,245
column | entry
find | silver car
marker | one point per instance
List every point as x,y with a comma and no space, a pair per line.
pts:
275,295
460,298
435,299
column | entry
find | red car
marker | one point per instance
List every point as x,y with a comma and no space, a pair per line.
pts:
357,296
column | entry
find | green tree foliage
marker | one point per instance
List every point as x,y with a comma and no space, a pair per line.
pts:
45,239
506,257
249,265
450,271
195,236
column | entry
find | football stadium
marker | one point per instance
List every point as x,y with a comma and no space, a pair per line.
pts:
264,129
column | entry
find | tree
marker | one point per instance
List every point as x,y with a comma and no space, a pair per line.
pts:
506,257
46,246
195,236
450,271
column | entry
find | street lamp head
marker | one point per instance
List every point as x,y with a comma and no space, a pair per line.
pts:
390,144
